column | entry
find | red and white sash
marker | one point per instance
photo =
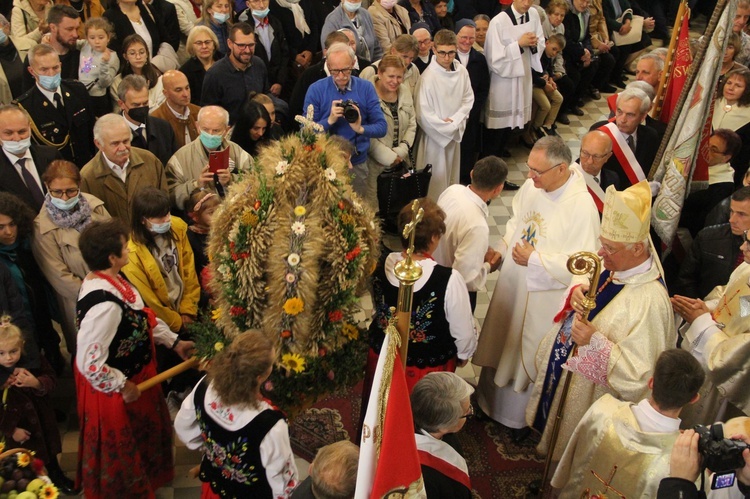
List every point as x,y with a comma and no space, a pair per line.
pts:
596,191
612,102
624,154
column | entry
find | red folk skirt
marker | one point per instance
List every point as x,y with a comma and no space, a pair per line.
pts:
124,450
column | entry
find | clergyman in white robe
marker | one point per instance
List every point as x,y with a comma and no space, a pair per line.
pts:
526,298
442,95
509,101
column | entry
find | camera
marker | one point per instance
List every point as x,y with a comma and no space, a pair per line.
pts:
350,112
720,455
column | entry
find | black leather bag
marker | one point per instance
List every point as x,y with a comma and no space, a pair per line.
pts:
397,187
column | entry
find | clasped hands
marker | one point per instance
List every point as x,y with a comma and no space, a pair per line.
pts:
688,308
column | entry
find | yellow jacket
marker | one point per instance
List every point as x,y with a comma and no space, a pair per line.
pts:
143,271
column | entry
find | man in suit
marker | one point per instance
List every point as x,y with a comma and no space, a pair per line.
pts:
22,163
60,111
634,144
177,110
118,171
479,75
150,133
272,47
596,149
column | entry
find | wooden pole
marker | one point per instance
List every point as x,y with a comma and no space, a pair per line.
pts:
665,75
169,373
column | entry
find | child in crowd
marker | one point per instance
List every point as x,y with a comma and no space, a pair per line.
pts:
245,442
547,99
27,418
553,25
98,65
200,209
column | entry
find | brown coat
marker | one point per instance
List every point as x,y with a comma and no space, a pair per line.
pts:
179,125
597,25
144,170
387,29
56,251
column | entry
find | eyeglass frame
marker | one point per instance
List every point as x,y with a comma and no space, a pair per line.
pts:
537,173
338,72
610,252
596,157
469,414
443,53
58,193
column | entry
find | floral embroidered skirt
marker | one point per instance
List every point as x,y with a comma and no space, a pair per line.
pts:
125,450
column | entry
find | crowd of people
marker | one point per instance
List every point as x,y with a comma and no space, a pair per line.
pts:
124,122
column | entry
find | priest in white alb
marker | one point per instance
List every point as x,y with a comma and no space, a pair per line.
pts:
630,326
443,101
553,217
514,45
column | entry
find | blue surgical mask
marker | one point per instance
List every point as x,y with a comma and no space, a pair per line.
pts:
3,37
161,228
17,147
210,141
65,205
261,14
352,7
220,18
49,83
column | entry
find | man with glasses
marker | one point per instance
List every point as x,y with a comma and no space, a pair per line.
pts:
717,333
553,217
331,97
624,334
228,82
443,102
596,148
421,32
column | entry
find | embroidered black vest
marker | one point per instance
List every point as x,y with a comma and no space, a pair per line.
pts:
430,340
231,462
130,349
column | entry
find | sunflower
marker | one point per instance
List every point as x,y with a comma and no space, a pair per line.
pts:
299,211
218,346
294,306
49,492
23,459
350,331
216,314
293,362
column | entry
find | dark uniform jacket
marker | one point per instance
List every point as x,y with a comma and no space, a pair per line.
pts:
69,130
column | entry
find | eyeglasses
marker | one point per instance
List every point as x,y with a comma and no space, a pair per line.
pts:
442,53
69,193
469,414
243,46
609,250
133,53
203,42
595,157
336,72
537,173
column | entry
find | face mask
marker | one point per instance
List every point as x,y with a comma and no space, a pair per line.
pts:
64,205
220,18
352,7
261,14
139,114
387,4
3,37
162,228
210,141
17,147
49,83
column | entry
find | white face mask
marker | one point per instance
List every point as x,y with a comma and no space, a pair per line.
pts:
17,147
388,4
352,7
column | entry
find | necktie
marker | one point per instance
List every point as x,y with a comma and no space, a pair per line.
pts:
631,143
521,19
58,102
139,138
30,182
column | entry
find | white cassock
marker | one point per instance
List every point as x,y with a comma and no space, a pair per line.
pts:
509,102
442,94
526,299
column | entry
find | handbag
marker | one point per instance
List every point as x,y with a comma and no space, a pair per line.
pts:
636,30
397,187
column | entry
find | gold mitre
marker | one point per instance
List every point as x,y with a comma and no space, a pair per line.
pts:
627,214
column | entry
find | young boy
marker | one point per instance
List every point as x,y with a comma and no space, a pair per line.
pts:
545,94
636,438
442,114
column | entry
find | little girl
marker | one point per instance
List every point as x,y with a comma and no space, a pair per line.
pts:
27,418
98,65
200,208
245,442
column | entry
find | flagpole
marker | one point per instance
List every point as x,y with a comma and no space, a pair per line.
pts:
658,100
407,272
692,75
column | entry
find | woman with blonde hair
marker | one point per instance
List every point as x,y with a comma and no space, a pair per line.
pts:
390,20
202,46
217,16
227,415
28,17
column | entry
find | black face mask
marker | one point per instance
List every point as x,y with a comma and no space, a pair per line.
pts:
139,114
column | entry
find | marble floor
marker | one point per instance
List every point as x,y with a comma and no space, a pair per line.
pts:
186,487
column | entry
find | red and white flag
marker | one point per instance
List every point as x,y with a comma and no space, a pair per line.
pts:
388,459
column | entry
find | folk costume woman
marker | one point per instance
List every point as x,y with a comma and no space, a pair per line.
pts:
126,436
